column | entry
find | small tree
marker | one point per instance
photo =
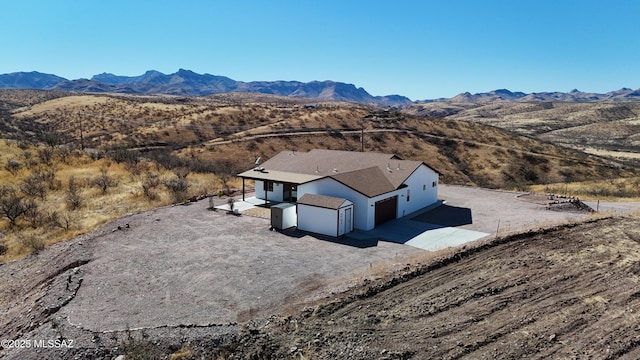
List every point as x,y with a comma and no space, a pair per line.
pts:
150,183
33,214
104,181
45,155
34,186
12,206
73,198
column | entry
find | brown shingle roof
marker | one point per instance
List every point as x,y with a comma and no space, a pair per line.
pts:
354,169
370,181
323,201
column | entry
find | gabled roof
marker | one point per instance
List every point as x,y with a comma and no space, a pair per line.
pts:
366,172
370,181
323,201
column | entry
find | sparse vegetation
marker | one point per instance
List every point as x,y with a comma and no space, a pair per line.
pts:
142,152
621,188
37,210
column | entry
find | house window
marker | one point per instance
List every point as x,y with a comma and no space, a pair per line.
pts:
268,185
424,187
408,193
434,184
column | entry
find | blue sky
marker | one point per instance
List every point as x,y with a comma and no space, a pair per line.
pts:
421,49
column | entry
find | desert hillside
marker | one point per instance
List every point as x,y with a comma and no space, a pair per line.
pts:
607,128
232,130
68,154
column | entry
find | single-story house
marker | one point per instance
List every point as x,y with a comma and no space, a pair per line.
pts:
378,187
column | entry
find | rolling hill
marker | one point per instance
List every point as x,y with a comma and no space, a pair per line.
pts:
236,128
609,128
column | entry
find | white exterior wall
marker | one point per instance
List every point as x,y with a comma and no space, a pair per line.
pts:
330,187
275,195
318,220
421,189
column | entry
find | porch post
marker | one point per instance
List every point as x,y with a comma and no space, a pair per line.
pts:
242,189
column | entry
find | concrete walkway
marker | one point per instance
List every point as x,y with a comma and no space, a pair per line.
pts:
414,231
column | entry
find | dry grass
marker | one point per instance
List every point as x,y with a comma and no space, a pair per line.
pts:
231,130
124,197
605,126
237,128
621,189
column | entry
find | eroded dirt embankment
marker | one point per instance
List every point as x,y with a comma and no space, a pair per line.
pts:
571,292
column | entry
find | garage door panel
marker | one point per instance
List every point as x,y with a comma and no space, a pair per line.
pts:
386,209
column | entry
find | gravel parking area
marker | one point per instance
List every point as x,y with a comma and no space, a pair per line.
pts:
501,211
185,265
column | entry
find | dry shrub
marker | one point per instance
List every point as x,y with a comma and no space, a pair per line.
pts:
33,242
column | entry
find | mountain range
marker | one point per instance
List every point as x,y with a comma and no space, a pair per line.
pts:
624,94
188,83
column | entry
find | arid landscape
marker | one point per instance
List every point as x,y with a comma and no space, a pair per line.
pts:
609,128
94,185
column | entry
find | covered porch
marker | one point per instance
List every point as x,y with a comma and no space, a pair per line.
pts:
274,186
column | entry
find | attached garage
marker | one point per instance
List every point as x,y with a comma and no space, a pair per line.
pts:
325,215
386,209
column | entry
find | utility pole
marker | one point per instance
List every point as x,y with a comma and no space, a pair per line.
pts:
81,135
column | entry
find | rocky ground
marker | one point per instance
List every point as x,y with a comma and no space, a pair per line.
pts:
570,291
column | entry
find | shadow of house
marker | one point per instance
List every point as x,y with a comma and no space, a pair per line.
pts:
407,228
446,216
342,240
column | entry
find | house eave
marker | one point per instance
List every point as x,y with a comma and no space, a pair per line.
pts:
278,176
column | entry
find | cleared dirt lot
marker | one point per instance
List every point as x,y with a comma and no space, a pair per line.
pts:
184,267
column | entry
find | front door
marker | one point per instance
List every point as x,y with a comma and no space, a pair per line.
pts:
348,222
290,193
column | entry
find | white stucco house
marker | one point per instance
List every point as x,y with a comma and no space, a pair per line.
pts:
361,189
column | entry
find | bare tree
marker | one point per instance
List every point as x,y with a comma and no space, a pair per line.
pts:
12,206
34,186
73,198
33,215
104,181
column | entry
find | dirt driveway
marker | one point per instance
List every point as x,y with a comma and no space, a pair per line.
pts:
185,265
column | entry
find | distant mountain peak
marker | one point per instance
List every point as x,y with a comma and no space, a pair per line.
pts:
189,83
625,94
